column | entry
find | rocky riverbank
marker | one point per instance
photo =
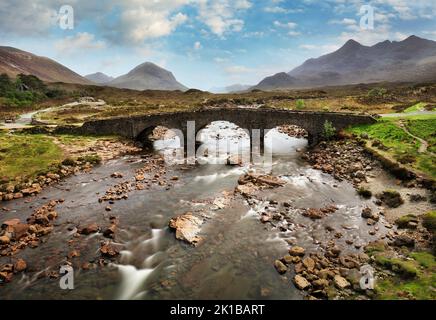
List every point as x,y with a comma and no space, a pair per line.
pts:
396,257
78,159
293,131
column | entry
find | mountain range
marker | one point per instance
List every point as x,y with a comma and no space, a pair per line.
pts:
230,89
410,60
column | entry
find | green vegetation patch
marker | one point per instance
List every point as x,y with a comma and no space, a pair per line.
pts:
417,281
25,155
364,193
388,137
425,129
405,221
420,106
429,221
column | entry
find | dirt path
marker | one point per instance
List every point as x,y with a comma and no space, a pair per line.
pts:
25,120
424,144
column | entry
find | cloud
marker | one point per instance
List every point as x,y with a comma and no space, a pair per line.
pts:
279,9
197,45
220,60
82,41
294,33
345,21
141,23
289,25
19,18
221,15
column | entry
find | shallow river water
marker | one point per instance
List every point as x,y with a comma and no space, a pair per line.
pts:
235,259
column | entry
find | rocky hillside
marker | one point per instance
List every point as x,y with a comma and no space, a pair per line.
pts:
14,61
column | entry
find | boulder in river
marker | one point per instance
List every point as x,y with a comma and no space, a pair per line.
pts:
301,282
187,227
296,251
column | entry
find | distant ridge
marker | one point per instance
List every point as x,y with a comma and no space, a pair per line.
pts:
410,60
99,77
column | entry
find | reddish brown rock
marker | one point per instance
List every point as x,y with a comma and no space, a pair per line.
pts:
20,265
89,229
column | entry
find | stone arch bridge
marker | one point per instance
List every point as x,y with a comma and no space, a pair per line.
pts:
260,120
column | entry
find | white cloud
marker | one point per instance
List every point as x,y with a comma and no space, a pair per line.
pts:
254,34
344,21
197,45
78,43
279,9
221,15
140,23
220,60
275,9
289,25
294,33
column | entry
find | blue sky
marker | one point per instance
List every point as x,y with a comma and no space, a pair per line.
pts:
205,43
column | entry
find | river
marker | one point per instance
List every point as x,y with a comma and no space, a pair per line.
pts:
235,259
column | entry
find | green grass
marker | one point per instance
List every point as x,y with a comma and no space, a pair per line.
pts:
429,221
403,147
425,129
421,286
417,107
25,155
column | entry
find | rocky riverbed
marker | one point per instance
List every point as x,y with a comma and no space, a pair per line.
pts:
298,231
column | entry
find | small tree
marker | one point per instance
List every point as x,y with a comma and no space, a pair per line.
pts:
5,84
328,130
299,104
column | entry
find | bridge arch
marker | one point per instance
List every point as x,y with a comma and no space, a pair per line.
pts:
247,118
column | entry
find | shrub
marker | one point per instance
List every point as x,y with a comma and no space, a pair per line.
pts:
404,221
299,104
429,221
364,193
377,92
328,130
69,162
91,158
391,198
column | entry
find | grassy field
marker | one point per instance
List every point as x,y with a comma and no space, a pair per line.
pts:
401,146
25,155
417,281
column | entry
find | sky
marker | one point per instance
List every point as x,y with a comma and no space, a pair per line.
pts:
205,43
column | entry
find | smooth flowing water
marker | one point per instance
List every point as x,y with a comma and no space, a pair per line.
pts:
235,259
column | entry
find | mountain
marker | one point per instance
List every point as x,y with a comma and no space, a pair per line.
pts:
147,76
99,77
277,81
230,89
14,61
410,60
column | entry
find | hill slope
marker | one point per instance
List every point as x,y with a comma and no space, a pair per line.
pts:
14,61
147,76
